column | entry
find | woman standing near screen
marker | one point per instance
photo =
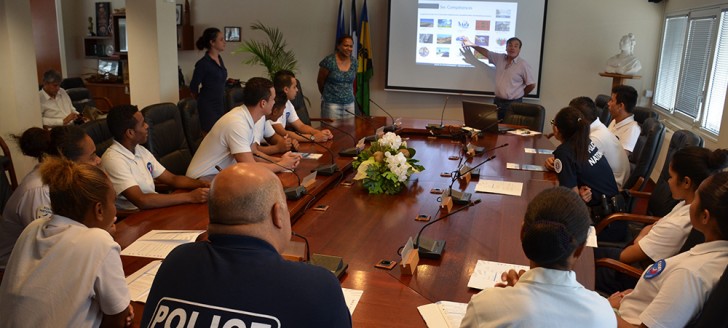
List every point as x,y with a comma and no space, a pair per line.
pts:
210,71
336,76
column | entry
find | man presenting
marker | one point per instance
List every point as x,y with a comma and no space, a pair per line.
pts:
132,168
231,138
513,77
238,278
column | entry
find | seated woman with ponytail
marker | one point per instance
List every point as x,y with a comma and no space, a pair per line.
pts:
65,270
671,292
553,236
30,201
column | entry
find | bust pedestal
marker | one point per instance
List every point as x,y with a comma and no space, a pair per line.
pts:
618,79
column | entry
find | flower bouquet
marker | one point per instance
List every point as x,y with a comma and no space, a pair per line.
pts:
386,165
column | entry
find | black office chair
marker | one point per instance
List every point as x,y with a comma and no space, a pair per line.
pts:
642,113
72,82
602,101
83,102
8,180
191,123
166,137
233,97
644,155
99,132
714,314
529,115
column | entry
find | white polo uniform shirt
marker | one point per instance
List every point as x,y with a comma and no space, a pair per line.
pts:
672,292
289,115
232,134
126,170
668,234
612,149
627,131
54,110
263,130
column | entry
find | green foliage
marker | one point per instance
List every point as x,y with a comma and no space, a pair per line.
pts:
271,53
379,179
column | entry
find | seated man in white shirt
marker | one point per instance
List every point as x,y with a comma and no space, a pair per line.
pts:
55,104
623,125
231,138
266,141
285,82
132,169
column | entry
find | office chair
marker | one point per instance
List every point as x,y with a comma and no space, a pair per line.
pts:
99,132
529,115
602,101
166,139
191,123
8,180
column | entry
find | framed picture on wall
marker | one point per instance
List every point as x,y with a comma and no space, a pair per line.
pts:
232,34
179,14
103,18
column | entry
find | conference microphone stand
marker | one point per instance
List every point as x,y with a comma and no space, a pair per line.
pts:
323,169
436,247
348,152
292,193
442,117
388,128
335,264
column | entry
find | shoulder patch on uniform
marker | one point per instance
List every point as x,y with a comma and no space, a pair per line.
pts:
44,211
150,167
557,165
655,269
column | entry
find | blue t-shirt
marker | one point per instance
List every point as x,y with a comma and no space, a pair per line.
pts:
234,277
339,85
595,172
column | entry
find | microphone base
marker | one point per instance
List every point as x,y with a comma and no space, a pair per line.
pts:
327,169
349,152
475,172
370,138
430,248
294,193
335,264
433,126
390,128
461,198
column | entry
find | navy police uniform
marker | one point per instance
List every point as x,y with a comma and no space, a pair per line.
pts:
595,172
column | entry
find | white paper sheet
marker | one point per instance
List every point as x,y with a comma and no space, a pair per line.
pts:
538,151
443,314
524,132
158,243
308,155
487,273
352,297
525,167
591,238
499,187
140,282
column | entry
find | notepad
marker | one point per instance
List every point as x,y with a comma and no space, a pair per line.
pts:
538,151
352,297
525,167
499,187
443,314
158,243
487,273
140,282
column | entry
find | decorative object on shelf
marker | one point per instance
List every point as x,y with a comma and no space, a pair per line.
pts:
386,165
109,50
272,54
232,34
624,62
91,26
103,18
179,14
120,11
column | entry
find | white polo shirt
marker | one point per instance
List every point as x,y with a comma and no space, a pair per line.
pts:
612,149
62,274
263,130
232,134
541,298
54,110
627,131
126,170
289,115
668,234
678,288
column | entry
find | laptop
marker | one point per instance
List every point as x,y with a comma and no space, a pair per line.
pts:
481,116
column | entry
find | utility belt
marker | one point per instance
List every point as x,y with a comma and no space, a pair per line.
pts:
607,206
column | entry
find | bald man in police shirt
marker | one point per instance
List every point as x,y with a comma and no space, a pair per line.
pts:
239,278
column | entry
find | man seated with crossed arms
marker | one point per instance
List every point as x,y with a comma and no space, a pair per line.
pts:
239,275
133,169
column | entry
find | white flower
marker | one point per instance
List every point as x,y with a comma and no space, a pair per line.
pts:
398,165
390,140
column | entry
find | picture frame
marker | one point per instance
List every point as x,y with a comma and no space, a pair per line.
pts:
103,18
232,33
179,14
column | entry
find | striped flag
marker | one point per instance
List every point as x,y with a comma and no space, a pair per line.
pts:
365,71
352,27
340,23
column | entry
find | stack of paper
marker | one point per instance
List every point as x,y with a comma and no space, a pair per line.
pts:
525,167
140,282
486,273
499,187
443,314
158,243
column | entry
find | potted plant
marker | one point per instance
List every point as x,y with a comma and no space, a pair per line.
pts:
270,53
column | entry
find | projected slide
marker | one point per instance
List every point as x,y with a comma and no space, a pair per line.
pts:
442,26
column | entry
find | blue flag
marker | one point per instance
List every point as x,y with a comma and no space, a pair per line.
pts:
340,23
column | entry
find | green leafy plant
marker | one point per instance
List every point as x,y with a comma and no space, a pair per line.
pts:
386,165
270,53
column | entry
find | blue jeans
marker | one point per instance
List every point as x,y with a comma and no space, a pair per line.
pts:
503,105
336,111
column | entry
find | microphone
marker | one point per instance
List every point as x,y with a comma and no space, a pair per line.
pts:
335,264
323,169
348,152
366,118
442,116
390,128
292,193
475,169
432,249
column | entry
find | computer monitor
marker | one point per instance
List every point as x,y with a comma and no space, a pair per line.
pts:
481,116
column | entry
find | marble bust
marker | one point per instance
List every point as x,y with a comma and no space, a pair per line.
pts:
624,62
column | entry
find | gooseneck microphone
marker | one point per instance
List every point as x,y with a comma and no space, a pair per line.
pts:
348,152
442,114
292,193
432,249
323,169
388,128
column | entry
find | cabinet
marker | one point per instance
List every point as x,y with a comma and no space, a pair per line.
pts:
118,93
98,47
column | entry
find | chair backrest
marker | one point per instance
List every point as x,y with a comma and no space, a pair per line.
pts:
190,122
99,132
713,314
80,97
642,113
299,103
233,97
166,137
644,154
8,180
72,82
661,201
530,115
602,101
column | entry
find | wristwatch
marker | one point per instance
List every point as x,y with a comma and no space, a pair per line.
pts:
311,137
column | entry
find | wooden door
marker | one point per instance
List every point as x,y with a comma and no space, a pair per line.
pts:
45,36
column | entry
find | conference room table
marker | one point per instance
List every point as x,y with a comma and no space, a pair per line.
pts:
364,229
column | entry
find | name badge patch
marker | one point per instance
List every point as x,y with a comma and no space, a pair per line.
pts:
557,165
655,269
150,168
171,312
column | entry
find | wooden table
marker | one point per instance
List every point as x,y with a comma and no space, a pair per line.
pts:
364,229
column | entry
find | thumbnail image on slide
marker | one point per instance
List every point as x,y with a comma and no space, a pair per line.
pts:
450,22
